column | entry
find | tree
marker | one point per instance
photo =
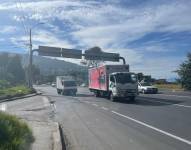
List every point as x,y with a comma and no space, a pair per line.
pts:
15,71
35,73
3,65
184,72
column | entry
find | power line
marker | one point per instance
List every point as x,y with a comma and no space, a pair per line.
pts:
22,17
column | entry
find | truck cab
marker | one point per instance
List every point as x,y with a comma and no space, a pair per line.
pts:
123,84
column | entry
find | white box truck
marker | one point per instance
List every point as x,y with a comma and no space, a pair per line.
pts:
66,85
113,81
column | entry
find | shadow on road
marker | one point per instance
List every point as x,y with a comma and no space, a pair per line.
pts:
150,102
84,95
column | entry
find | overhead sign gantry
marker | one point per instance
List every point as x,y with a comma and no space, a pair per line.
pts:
94,53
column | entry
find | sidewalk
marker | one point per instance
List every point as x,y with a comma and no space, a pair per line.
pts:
47,136
38,113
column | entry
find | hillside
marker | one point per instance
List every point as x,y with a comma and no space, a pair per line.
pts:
51,66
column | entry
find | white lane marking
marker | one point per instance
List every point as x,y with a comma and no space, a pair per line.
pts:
54,107
104,108
46,102
154,128
176,95
186,106
3,107
95,105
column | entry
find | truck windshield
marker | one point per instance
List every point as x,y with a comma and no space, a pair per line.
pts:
69,83
146,84
125,78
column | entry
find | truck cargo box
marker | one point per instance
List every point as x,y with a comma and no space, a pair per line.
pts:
99,76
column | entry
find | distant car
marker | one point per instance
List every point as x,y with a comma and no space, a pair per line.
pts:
53,84
83,85
147,88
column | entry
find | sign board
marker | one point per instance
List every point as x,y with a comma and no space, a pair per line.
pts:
49,51
101,56
71,53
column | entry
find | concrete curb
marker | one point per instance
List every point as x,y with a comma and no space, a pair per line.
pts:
20,97
57,143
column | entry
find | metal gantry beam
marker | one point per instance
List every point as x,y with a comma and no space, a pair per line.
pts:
90,54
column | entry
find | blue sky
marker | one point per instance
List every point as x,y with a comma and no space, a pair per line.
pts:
153,35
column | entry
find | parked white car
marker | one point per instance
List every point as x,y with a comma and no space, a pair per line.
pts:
147,88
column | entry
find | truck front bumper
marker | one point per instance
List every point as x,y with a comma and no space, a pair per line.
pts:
125,94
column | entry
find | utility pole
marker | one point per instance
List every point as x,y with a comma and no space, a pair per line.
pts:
30,61
30,73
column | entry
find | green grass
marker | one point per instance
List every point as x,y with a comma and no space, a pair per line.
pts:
170,86
15,91
14,133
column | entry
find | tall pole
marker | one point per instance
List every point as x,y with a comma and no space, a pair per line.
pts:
30,61
30,74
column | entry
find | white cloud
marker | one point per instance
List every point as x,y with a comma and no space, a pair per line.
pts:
131,56
8,29
160,67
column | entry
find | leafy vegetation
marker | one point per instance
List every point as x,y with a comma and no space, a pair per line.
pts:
11,69
4,84
169,86
14,134
184,73
15,91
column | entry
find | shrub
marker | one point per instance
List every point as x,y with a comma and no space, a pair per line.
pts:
14,134
16,91
4,84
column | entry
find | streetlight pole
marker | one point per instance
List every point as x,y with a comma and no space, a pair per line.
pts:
30,73
30,60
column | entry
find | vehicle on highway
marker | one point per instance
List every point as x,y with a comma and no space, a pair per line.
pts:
53,84
113,81
83,85
66,85
147,87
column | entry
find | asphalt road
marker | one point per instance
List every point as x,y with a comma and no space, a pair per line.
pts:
153,122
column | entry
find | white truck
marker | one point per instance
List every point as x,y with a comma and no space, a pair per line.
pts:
66,85
113,81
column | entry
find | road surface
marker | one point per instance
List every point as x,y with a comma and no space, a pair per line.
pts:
153,122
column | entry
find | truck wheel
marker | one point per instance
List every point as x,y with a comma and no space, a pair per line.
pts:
62,93
97,94
108,95
58,91
73,93
143,91
132,98
112,98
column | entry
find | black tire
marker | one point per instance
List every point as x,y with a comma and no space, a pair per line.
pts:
58,91
97,94
156,92
143,91
132,98
62,92
73,93
108,95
